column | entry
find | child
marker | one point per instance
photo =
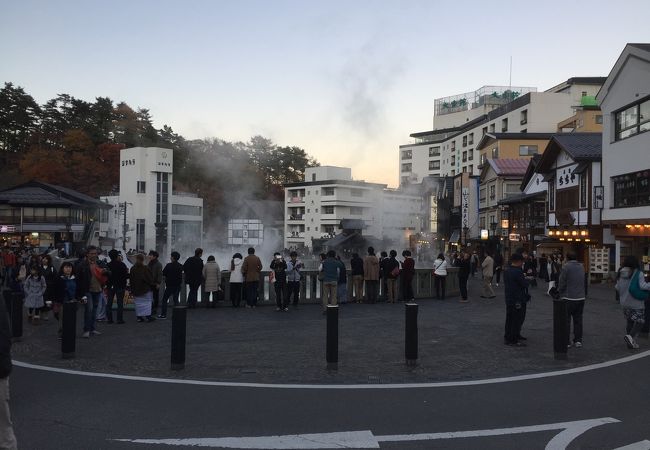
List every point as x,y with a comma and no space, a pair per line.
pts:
65,292
34,289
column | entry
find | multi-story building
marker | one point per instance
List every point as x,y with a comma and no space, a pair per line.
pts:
625,190
146,213
316,207
511,145
451,147
588,118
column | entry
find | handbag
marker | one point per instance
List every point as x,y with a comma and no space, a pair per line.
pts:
635,289
395,272
433,272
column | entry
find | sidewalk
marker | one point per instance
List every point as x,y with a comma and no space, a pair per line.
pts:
456,342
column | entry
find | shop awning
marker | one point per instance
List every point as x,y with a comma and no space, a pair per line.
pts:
455,237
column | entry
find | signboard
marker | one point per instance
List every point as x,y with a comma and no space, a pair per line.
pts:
599,197
599,260
484,235
514,237
565,178
7,229
465,207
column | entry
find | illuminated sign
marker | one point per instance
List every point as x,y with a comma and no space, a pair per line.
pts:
7,229
514,237
484,235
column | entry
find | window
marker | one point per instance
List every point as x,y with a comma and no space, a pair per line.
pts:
481,223
483,159
162,197
632,120
599,118
527,150
551,195
493,192
327,191
315,228
470,141
464,141
407,154
434,165
328,210
495,153
504,125
524,117
583,190
471,168
186,210
484,131
453,145
142,187
453,160
632,189
356,192
492,127
464,156
313,177
406,167
356,211
405,180
584,93
139,234
470,154
434,151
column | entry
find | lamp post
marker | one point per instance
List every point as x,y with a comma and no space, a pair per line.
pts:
465,231
493,227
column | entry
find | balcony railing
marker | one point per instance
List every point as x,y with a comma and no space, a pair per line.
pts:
295,234
296,199
296,217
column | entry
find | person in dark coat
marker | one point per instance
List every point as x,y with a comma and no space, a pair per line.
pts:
279,268
119,273
193,269
156,269
464,270
543,268
51,278
173,274
7,436
407,275
516,294
356,271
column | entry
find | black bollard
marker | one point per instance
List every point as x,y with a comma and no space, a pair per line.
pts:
69,330
16,313
560,329
332,348
179,328
411,334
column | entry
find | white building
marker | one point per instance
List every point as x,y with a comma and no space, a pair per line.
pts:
625,192
146,213
450,148
315,208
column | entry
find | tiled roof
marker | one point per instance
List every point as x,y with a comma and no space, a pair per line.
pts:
513,167
644,47
581,145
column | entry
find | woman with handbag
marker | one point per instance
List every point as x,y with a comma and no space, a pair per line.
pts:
633,290
440,276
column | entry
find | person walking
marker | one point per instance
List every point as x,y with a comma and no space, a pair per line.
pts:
155,266
391,274
279,268
330,273
474,263
211,282
7,436
356,271
173,276
571,288
516,297
116,284
439,273
487,267
632,291
34,288
193,269
464,270
498,267
91,277
543,267
251,268
142,284
371,275
236,280
407,275
294,266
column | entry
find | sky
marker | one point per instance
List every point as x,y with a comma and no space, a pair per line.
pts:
348,81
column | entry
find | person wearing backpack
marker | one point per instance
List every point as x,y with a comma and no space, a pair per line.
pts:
633,290
571,288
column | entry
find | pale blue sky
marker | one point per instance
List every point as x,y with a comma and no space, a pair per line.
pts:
346,80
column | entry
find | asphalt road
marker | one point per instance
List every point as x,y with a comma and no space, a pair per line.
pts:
65,411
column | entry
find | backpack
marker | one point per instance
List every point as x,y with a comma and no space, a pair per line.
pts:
635,289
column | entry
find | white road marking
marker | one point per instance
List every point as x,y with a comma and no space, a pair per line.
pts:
365,439
641,445
443,384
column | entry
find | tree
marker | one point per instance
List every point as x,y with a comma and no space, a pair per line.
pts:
19,116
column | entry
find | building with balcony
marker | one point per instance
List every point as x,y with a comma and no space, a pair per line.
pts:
257,223
450,147
41,215
511,145
146,213
314,209
625,103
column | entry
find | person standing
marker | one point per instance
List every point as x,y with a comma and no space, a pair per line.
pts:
118,274
51,278
173,275
294,266
330,272
7,436
488,271
498,267
439,273
193,269
407,275
279,268
632,281
90,279
342,282
371,275
383,280
34,288
571,288
391,274
464,270
543,268
516,296
211,282
251,268
156,268
141,287
474,263
236,280
356,271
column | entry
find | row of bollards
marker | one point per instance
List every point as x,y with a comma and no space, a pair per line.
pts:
410,335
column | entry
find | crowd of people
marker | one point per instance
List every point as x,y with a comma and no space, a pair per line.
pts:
97,283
